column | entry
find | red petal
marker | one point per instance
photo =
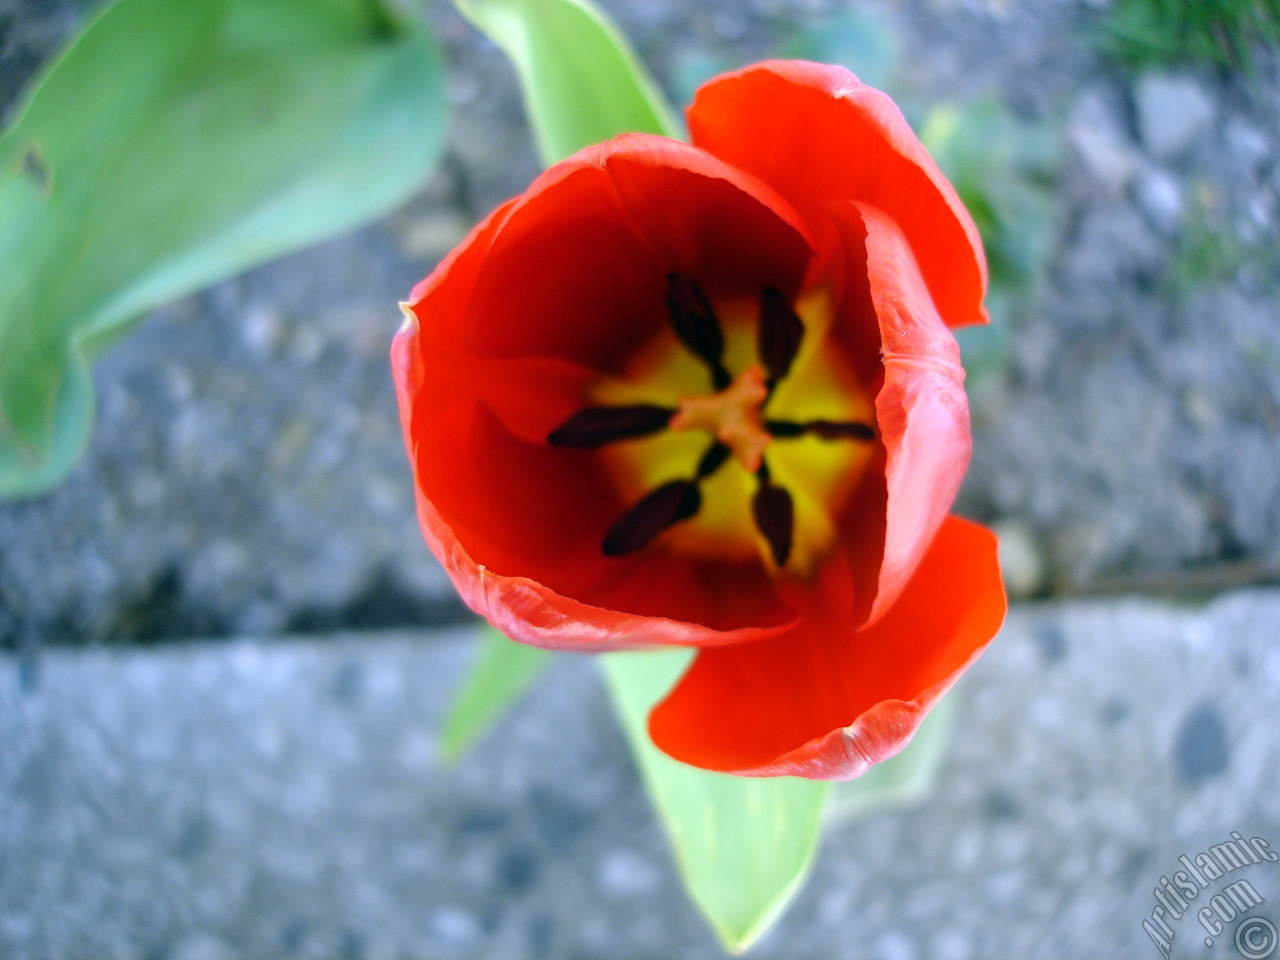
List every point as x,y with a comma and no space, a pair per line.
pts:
921,409
433,367
578,270
817,135
826,701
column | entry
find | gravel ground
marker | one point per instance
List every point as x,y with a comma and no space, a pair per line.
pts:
246,473
280,800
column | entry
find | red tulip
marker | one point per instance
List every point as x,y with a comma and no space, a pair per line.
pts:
707,395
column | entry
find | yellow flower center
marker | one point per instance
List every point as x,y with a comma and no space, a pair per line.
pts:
738,432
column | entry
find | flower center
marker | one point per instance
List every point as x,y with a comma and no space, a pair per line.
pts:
732,416
756,465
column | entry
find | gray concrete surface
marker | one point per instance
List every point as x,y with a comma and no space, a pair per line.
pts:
280,800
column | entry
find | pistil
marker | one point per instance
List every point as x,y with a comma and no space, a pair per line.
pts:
732,416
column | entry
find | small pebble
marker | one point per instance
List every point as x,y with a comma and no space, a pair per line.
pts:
1173,113
455,926
202,946
1021,562
1160,197
624,874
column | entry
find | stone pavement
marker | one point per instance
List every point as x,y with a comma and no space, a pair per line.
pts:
280,799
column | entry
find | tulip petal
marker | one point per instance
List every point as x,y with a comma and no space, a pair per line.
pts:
817,135
825,700
581,267
921,409
433,367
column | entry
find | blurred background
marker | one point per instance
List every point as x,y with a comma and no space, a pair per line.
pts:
246,481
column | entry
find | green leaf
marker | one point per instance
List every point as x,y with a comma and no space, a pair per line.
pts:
501,673
582,84
176,143
743,845
1165,33
1004,170
900,781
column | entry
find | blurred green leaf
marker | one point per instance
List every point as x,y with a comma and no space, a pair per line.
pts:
1004,170
901,780
856,39
582,83
1209,249
743,845
984,350
1167,32
501,673
176,143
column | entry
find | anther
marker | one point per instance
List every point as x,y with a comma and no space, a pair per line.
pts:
826,429
833,430
713,459
696,324
775,518
595,426
778,335
658,510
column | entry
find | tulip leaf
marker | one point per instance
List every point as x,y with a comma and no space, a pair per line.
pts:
900,781
1004,170
176,143
582,83
743,845
502,672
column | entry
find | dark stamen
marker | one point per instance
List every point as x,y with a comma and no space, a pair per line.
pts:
783,429
775,517
779,334
658,510
595,426
826,429
832,430
712,460
697,325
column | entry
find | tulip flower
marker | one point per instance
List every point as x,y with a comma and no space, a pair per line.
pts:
707,395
